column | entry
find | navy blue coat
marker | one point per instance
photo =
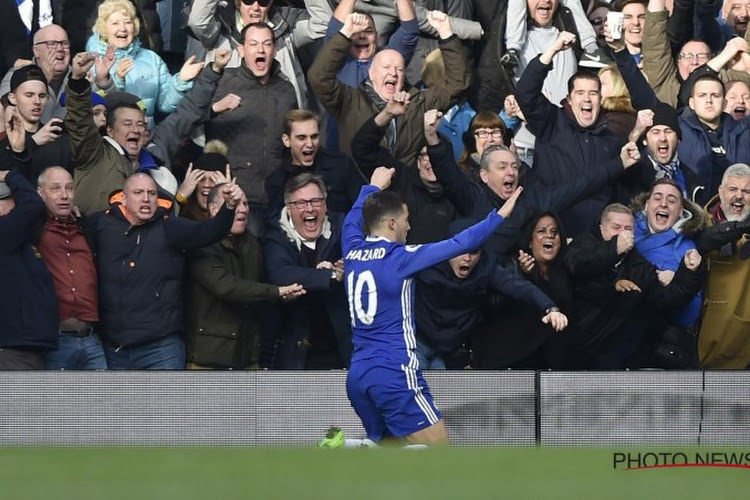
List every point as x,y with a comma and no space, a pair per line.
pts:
141,271
473,199
695,150
564,150
286,264
28,306
449,309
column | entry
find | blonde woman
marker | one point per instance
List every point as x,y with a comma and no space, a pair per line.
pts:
616,103
125,65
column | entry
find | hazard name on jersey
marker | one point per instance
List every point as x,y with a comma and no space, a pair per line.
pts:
366,254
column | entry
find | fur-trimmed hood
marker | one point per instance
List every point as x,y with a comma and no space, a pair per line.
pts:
692,219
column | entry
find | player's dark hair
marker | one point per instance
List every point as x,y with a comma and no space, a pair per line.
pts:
380,205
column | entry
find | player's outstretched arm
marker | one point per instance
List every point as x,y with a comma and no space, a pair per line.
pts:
510,203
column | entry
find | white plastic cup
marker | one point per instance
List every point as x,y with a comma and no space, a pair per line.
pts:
615,21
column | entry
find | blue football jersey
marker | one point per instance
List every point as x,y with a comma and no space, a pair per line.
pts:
380,287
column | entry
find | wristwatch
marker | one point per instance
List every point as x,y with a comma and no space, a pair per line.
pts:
552,310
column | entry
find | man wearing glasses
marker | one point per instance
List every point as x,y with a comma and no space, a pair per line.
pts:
51,51
304,246
666,74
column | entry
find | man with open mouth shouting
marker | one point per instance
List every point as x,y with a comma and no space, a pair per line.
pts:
572,140
353,107
723,341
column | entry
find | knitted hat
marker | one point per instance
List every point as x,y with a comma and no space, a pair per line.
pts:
213,158
664,114
97,98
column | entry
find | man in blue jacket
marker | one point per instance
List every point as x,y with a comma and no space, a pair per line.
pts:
303,246
141,261
28,306
571,140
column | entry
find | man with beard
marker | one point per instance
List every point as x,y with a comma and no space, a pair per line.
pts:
570,141
723,341
225,286
352,107
659,130
304,246
52,54
304,153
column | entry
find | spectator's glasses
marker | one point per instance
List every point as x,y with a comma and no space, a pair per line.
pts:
302,204
483,134
53,44
597,21
262,3
689,56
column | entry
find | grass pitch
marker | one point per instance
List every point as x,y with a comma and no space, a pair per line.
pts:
209,473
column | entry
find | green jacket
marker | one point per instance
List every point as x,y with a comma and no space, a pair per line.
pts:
221,322
660,67
352,107
101,166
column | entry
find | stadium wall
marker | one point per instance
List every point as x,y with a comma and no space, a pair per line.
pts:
520,408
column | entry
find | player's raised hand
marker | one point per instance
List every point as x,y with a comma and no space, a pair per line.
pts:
382,177
510,203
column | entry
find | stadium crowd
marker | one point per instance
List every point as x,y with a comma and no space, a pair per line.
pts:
191,218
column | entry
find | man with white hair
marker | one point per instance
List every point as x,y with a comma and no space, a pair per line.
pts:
353,107
723,341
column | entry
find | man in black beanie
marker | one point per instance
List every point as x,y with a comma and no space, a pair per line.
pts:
658,130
